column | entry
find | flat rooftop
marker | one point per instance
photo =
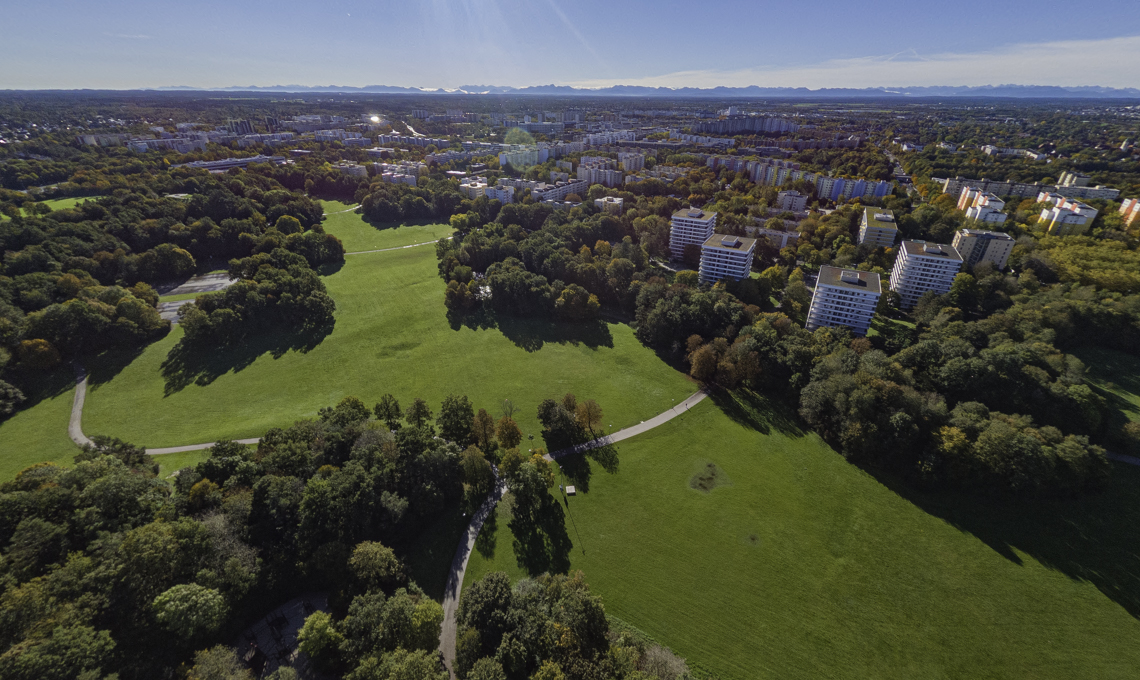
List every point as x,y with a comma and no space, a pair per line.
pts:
694,214
726,242
880,218
932,250
864,282
987,234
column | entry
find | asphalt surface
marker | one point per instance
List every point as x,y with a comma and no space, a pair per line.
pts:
206,283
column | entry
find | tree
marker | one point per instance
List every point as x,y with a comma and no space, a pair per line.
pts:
419,414
287,224
189,610
374,565
483,430
549,671
72,651
388,411
589,415
400,665
320,639
687,277
486,669
10,397
456,419
508,432
218,663
703,364
477,472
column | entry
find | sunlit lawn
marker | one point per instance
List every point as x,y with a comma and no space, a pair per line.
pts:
802,565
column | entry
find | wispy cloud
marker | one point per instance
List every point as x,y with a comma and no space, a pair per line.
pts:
127,36
578,34
1112,62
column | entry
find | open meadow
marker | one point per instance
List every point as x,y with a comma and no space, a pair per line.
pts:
38,432
391,335
756,551
358,235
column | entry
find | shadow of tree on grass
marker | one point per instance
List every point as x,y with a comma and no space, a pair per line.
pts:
541,543
200,364
1094,538
758,411
532,333
486,540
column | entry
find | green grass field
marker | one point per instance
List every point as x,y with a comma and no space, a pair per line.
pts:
178,298
391,335
38,432
802,565
358,235
62,203
169,463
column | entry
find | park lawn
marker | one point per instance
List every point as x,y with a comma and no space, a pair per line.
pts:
178,298
391,335
883,324
169,463
358,235
805,566
38,432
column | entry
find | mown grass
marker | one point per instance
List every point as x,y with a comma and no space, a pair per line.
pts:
391,335
802,565
358,235
169,463
38,432
178,298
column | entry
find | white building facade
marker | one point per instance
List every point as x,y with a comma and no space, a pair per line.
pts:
689,226
844,297
922,267
726,257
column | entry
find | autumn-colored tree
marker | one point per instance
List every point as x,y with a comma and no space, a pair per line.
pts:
589,415
508,432
484,430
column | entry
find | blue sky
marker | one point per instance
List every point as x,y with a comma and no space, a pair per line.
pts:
449,43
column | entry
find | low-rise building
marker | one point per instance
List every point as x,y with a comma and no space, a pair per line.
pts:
726,257
878,228
689,226
922,267
474,187
791,200
976,245
610,204
844,297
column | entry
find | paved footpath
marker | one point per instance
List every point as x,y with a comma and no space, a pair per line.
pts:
462,553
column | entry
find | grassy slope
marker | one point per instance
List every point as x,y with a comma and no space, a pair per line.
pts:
391,335
38,433
356,234
808,567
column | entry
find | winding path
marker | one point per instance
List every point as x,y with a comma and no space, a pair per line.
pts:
467,542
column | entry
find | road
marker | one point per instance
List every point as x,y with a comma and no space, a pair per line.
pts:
206,283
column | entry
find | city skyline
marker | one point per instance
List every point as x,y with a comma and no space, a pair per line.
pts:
62,44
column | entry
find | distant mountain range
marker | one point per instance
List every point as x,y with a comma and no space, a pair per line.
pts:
750,92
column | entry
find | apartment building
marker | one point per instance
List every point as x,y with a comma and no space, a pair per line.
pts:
631,162
1023,190
474,187
1067,217
596,173
922,267
350,168
844,297
1130,208
791,200
982,206
689,226
726,257
878,228
610,204
503,194
976,245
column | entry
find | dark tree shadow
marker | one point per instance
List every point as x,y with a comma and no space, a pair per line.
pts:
201,364
1094,538
606,456
38,385
103,367
576,469
532,333
758,411
478,319
485,542
541,543
330,268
